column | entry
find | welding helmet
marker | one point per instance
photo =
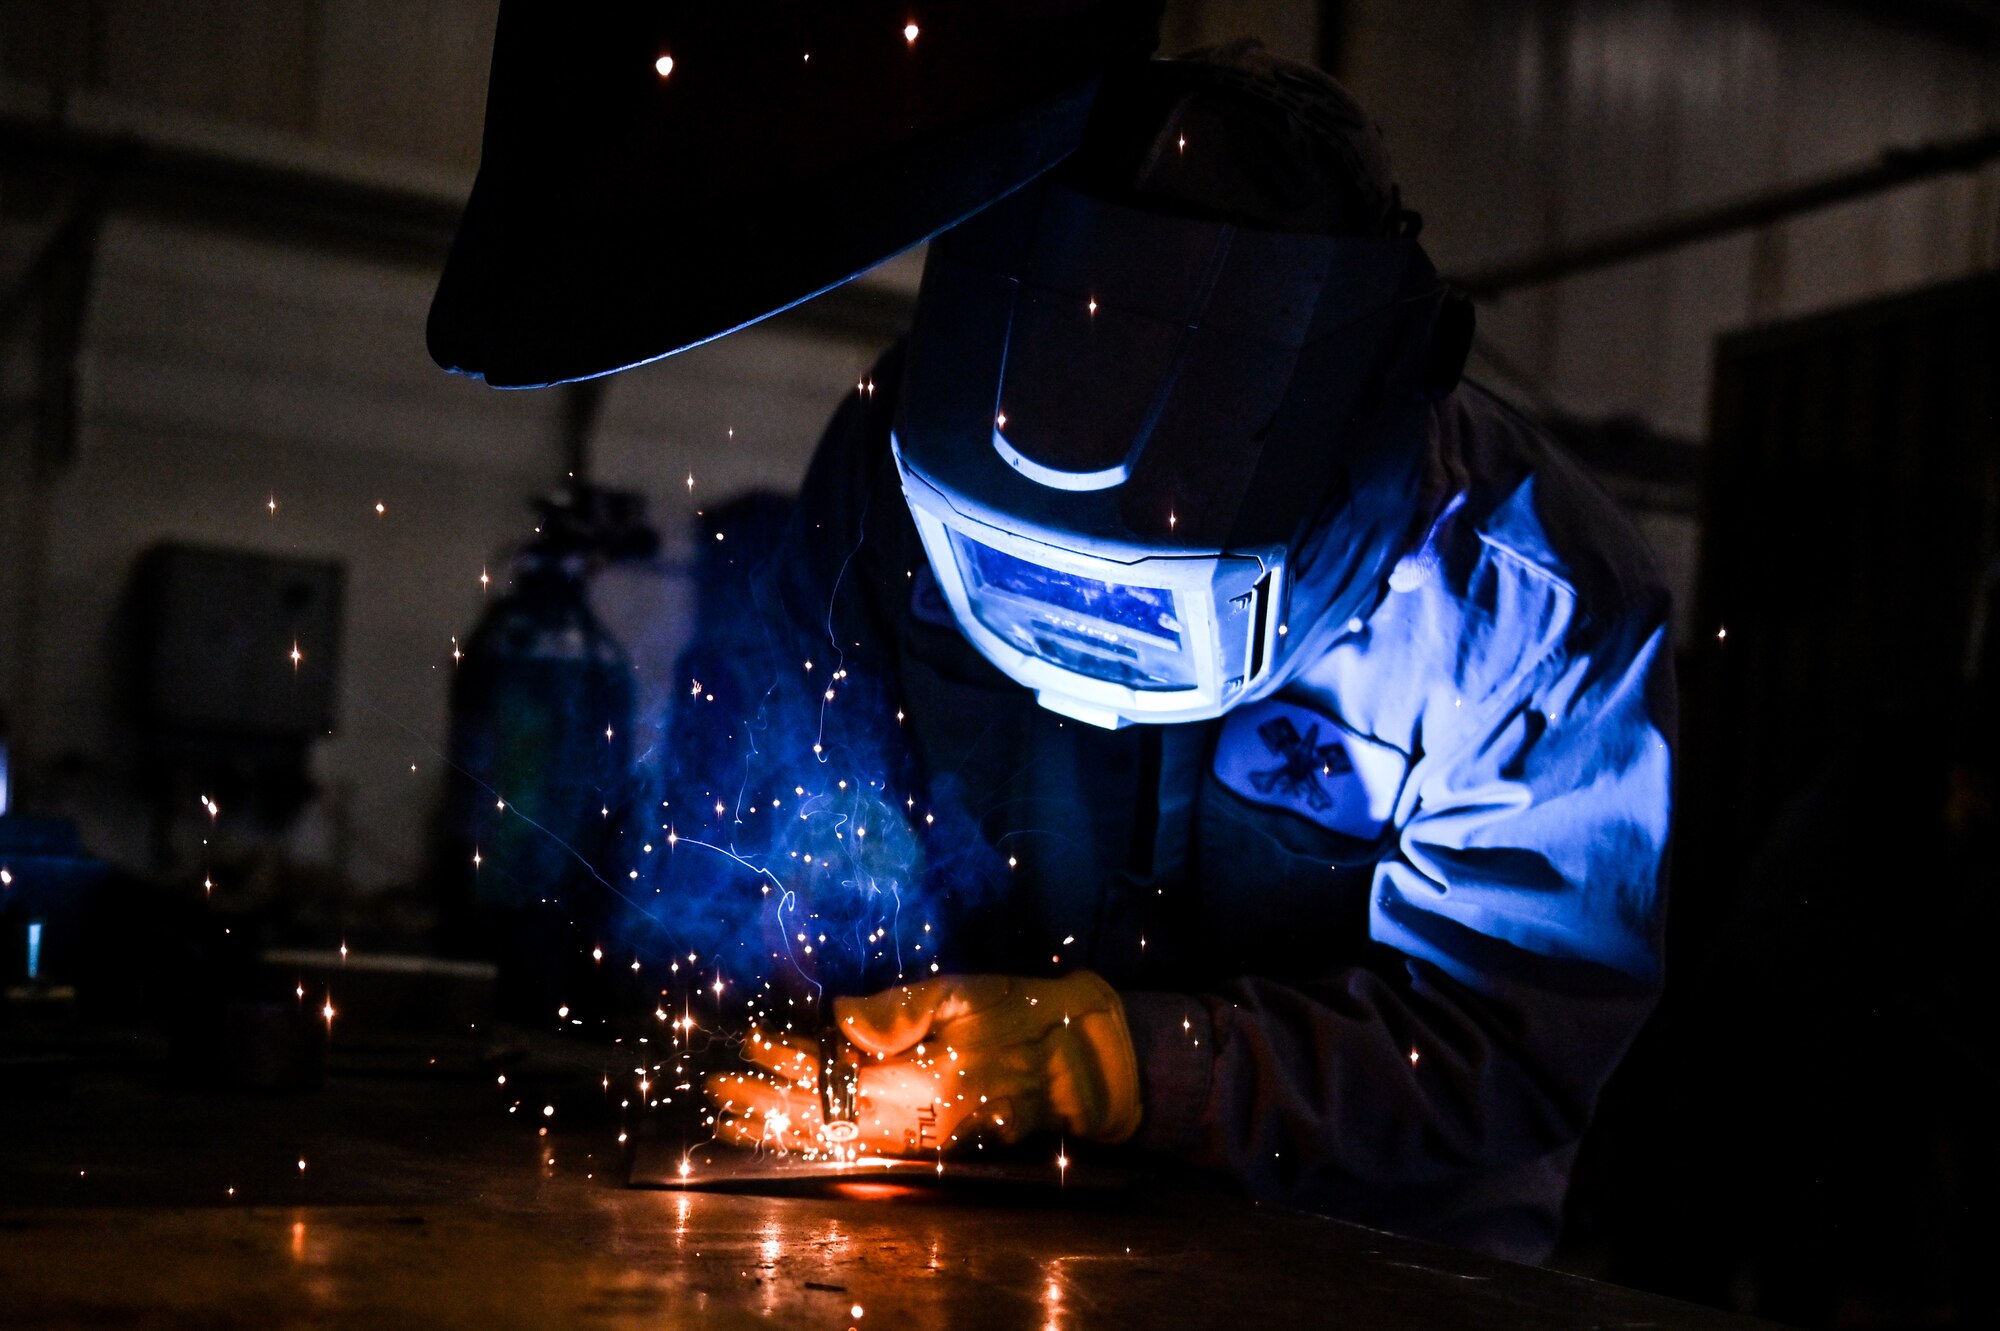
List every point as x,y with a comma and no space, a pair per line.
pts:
1151,446
653,176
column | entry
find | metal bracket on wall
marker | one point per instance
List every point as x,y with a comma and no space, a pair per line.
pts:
58,283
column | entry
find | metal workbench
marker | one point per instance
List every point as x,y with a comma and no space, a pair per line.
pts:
426,1200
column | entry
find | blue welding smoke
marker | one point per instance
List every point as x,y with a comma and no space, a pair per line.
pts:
796,841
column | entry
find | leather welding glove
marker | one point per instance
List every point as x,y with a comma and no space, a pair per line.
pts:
1017,1055
944,1059
905,1106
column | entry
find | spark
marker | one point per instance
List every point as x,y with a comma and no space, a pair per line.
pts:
1721,635
664,66
272,505
302,1164
485,580
1001,420
1182,143
910,31
1093,304
326,1011
297,656
380,508
1414,1055
597,954
476,860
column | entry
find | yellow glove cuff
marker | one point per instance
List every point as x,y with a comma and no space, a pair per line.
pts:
1103,1098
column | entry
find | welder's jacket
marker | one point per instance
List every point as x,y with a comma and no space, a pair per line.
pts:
1382,935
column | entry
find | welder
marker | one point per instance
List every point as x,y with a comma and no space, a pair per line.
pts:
1323,707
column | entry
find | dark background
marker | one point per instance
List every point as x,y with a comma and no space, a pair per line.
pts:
220,221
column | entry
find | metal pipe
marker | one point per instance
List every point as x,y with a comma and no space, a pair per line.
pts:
1896,166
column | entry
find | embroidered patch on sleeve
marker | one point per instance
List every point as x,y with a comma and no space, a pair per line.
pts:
1289,757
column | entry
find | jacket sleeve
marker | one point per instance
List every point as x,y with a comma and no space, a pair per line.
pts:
1516,942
